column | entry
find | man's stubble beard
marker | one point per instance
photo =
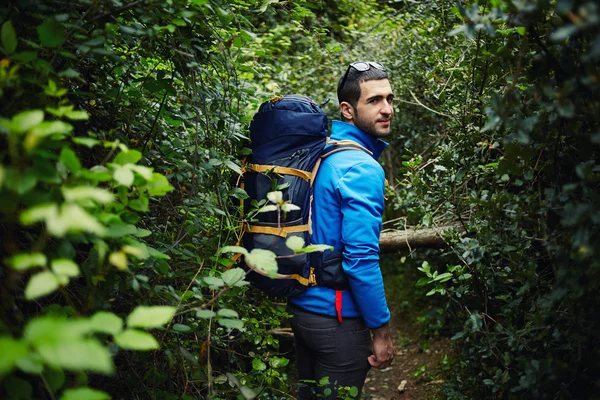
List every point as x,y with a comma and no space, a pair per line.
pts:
369,128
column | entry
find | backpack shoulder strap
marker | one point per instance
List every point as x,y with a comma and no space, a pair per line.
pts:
342,145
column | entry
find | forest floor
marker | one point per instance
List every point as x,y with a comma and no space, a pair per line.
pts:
418,369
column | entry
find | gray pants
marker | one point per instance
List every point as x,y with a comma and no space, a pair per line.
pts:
326,348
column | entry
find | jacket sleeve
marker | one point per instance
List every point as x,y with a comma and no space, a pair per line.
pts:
361,190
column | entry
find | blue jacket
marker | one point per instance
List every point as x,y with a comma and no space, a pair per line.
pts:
346,214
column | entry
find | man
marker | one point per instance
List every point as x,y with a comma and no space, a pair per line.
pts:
332,323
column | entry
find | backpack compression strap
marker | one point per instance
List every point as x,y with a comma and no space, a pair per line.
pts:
284,230
310,281
306,175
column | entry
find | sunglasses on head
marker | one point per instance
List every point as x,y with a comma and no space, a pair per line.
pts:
361,66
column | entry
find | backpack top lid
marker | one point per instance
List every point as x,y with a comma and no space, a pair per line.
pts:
285,116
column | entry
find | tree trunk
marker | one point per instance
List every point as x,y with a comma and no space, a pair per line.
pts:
394,240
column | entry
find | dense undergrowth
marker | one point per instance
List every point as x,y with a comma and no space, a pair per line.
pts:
121,129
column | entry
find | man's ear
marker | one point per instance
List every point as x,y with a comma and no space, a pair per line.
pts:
347,110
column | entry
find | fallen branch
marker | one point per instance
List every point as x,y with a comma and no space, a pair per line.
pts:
430,238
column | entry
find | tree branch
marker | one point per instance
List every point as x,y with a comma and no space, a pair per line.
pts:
430,238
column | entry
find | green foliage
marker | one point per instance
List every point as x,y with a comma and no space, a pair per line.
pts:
510,95
121,128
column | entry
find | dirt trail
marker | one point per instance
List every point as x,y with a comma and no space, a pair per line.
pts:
418,361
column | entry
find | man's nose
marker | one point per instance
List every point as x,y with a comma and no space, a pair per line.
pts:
387,109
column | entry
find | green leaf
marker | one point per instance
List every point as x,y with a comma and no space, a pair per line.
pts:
181,328
239,193
136,340
275,197
32,364
268,208
71,73
267,3
78,193
77,115
66,267
446,276
51,33
427,219
353,392
123,175
295,242
21,182
234,167
233,249
84,394
68,157
26,120
136,249
227,312
18,388
87,142
119,230
106,322
150,317
214,282
287,207
258,365
231,323
234,277
118,259
41,284
128,157
25,56
313,248
423,282
278,362
73,219
48,128
9,37
144,172
205,314
12,350
225,16
44,129
159,185
264,260
55,378
50,329
21,262
78,355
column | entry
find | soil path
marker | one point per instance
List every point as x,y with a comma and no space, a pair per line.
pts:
418,366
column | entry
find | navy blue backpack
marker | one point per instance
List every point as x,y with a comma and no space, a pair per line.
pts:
288,136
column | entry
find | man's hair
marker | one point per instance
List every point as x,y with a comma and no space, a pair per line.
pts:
350,92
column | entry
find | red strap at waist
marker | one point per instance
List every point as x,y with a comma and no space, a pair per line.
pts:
338,304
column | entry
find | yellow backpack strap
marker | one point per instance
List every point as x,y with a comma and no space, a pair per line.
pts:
281,231
346,144
310,281
306,175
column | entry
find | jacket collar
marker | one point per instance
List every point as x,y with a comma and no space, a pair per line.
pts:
344,131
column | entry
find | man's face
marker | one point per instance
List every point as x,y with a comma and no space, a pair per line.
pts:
374,110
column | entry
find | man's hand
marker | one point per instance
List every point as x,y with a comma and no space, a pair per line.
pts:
383,348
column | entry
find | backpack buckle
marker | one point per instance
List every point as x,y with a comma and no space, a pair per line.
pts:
312,278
